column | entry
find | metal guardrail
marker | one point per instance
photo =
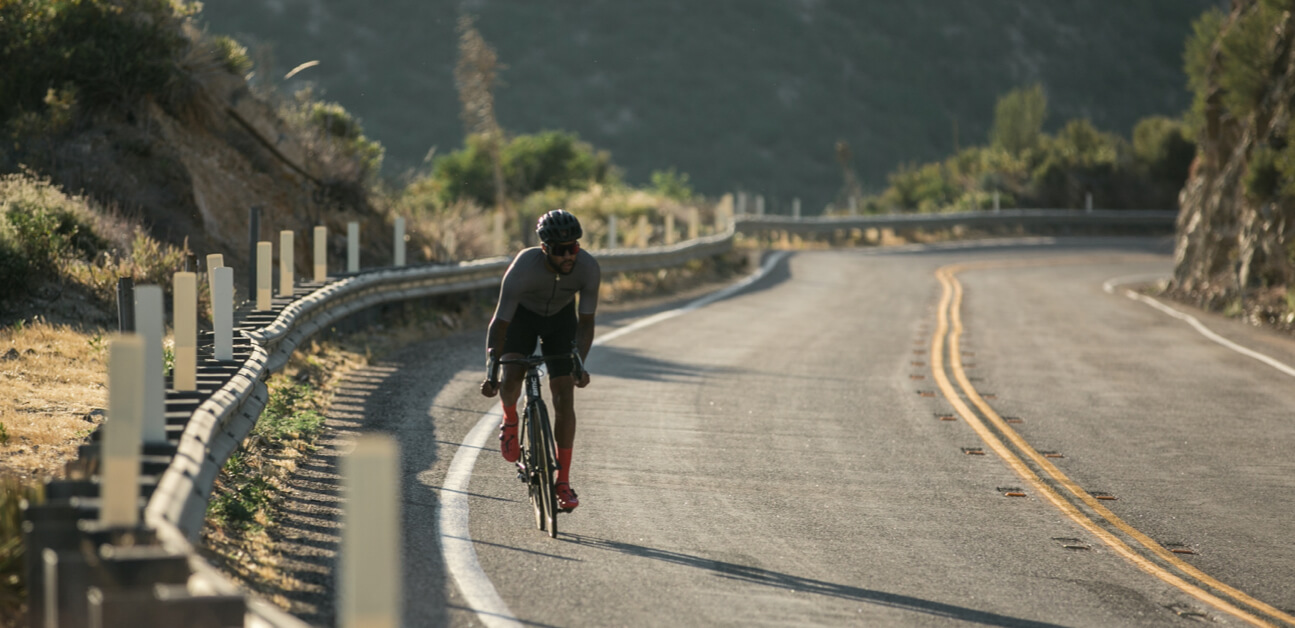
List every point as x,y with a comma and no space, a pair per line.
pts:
1152,218
213,425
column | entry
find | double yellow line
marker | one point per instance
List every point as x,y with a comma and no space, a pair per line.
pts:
1100,521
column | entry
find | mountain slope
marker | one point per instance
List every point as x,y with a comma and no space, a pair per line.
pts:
749,95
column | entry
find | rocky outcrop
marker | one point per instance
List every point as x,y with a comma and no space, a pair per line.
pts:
1235,245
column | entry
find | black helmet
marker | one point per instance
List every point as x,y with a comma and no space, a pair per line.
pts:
558,226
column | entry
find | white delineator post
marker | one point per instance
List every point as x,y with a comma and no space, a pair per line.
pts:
264,279
369,595
352,247
185,308
286,259
321,254
222,312
611,231
795,208
119,485
148,324
996,200
399,243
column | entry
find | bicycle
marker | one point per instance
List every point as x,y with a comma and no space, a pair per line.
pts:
538,465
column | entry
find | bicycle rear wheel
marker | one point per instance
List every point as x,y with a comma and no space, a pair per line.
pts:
547,465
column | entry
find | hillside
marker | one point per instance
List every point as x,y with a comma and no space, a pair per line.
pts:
748,95
1236,234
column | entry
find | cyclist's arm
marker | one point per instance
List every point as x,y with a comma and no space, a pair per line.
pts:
584,335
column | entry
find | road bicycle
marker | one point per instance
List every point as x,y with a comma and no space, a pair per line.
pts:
538,465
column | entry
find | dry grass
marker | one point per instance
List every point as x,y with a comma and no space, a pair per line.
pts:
53,381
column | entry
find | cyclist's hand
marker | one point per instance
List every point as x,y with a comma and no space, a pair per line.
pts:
583,380
489,388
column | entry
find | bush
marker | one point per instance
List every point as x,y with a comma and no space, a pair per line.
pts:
338,124
531,163
98,52
1018,119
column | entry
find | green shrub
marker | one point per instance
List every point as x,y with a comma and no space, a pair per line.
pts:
531,163
1164,149
1262,179
1247,54
94,52
343,128
1018,119
232,55
671,184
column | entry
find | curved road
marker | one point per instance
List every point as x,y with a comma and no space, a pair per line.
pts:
973,433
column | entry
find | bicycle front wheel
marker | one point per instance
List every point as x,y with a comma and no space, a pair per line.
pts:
532,463
547,467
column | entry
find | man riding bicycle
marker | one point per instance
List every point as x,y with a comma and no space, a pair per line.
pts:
537,301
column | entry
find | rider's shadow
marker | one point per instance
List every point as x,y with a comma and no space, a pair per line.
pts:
787,582
631,364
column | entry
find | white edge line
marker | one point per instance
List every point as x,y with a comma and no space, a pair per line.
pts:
1110,285
452,522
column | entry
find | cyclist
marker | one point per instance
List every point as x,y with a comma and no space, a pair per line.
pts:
538,301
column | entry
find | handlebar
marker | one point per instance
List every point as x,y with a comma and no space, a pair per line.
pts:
532,361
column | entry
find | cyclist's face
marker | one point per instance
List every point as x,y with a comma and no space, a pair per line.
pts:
562,255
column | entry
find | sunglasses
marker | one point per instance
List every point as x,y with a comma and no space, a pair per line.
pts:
562,250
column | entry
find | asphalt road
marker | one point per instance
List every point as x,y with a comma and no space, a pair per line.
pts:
796,454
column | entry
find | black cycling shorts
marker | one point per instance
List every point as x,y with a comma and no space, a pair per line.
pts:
556,334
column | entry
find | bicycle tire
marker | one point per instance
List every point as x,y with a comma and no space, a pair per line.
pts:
531,464
548,466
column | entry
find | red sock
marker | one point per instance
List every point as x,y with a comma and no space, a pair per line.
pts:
510,414
564,462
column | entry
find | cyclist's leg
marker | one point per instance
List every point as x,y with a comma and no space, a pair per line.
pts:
519,341
557,336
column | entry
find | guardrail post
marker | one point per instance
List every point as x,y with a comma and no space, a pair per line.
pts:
694,223
185,312
996,208
148,323
669,229
643,231
741,204
399,245
611,231
253,241
371,572
759,205
352,247
287,257
795,208
321,254
125,304
222,312
264,277
122,430
1088,201
854,206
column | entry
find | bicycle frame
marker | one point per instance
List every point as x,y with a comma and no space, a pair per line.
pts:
538,464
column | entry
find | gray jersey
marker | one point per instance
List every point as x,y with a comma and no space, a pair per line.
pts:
530,284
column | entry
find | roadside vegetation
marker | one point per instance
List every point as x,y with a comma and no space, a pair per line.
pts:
1027,167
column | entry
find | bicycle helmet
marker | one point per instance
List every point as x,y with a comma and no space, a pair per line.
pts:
558,226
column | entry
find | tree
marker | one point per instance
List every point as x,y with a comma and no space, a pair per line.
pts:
474,75
1018,119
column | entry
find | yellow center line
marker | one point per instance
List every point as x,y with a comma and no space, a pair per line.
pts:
949,322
